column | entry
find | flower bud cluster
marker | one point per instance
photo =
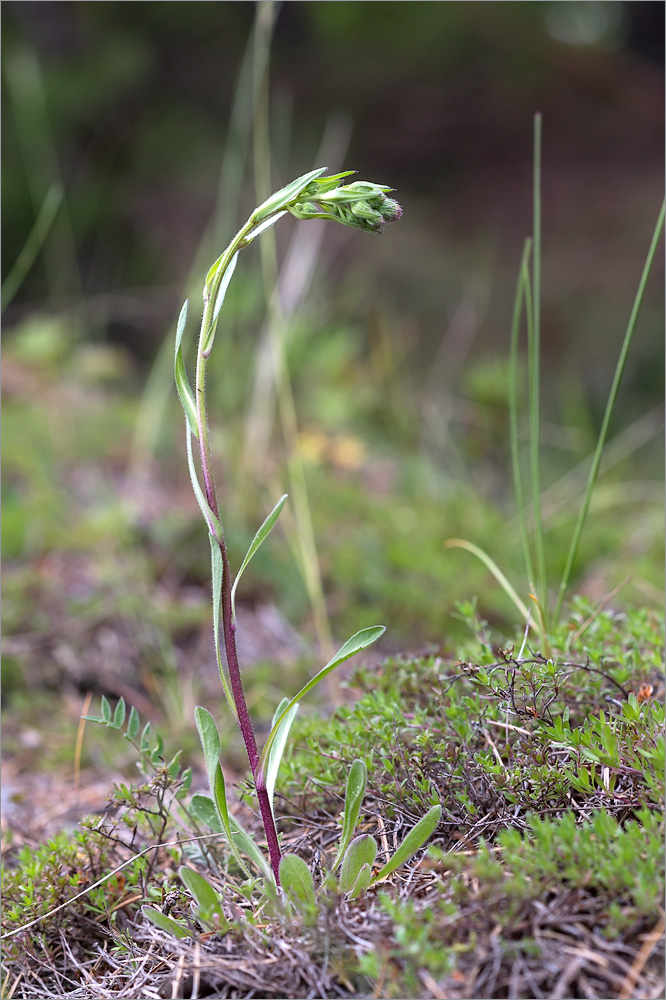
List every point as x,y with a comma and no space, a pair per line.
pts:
361,205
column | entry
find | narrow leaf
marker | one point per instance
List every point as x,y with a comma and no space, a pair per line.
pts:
277,749
261,534
263,226
183,386
296,881
210,741
206,896
185,393
362,851
280,199
356,782
133,724
214,526
119,714
224,285
106,710
182,322
360,641
220,799
164,922
610,405
246,844
217,570
415,839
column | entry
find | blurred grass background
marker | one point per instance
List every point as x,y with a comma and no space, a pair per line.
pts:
135,135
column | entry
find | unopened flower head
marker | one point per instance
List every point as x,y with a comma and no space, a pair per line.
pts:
361,205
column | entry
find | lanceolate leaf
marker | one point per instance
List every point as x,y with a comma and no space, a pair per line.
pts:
277,749
281,198
183,386
228,274
356,782
210,741
263,226
360,641
261,534
415,839
214,526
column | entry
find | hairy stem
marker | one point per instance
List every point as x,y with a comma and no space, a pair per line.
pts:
228,625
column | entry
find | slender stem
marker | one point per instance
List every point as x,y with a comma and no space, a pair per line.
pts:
228,625
534,366
522,295
596,461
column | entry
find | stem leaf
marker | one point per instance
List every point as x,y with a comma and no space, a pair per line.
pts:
183,386
277,749
261,534
280,199
361,640
210,741
224,285
214,526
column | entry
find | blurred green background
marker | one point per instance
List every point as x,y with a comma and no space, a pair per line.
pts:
136,138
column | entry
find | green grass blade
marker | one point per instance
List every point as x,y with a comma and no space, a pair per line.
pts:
217,571
361,640
522,296
279,743
533,352
357,780
415,839
462,543
260,536
617,378
35,241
